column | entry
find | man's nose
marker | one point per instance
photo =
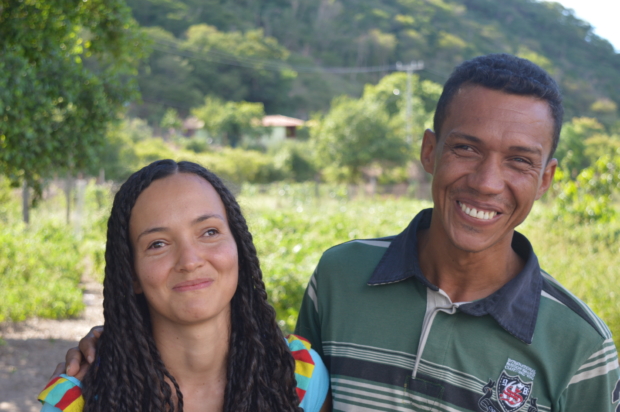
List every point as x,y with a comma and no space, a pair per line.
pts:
488,176
190,257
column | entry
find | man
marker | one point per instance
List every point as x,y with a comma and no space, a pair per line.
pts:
455,314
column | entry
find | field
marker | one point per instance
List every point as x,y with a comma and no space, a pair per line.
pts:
41,266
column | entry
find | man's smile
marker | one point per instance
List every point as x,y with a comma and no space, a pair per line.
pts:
477,213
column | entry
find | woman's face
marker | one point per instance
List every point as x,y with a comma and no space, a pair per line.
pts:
185,254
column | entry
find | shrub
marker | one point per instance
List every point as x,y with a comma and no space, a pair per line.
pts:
40,271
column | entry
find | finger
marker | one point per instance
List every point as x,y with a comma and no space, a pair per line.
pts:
82,372
97,331
60,368
73,360
88,343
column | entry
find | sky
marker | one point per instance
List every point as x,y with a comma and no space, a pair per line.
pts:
603,15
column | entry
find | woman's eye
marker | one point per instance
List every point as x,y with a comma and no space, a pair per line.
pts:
211,232
156,245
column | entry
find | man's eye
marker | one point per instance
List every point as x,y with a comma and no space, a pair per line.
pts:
463,148
522,160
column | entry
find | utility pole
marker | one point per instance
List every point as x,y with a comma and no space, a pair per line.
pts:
409,68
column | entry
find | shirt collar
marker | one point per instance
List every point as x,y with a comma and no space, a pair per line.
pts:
514,306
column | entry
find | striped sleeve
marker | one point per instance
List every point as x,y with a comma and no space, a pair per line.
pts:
310,374
62,393
595,385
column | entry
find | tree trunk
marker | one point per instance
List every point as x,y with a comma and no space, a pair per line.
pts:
26,203
80,191
68,182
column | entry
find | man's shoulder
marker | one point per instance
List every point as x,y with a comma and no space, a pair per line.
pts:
356,250
356,246
570,310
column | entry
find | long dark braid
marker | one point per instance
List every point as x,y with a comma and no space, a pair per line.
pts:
129,374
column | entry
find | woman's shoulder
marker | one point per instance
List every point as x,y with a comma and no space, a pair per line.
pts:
310,373
62,393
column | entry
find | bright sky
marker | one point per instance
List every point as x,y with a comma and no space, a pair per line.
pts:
603,15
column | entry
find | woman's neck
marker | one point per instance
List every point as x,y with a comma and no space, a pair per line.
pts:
196,355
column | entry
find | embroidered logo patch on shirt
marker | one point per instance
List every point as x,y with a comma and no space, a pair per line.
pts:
512,392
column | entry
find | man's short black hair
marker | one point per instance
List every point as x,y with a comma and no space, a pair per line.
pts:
509,74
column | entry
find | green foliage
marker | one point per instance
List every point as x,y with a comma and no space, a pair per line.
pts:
229,121
370,133
348,33
181,72
291,230
590,196
292,225
171,120
356,134
117,156
294,160
66,69
40,271
237,165
196,144
571,151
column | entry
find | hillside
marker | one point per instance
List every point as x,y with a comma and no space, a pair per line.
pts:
273,50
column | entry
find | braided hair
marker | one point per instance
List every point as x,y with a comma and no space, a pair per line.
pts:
129,374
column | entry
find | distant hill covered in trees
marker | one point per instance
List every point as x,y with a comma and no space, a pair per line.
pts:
287,53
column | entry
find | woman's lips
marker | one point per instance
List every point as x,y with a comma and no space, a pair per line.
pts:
192,285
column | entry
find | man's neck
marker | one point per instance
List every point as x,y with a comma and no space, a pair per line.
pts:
466,276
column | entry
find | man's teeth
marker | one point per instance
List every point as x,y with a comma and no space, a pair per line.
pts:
479,214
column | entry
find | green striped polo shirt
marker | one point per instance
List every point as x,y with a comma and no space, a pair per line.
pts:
392,341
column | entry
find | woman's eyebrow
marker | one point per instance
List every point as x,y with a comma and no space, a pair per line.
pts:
199,219
151,230
202,218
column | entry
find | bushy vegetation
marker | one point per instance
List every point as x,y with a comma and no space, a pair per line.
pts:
293,224
41,265
272,51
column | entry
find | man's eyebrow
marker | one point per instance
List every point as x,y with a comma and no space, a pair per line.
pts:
472,139
525,149
199,219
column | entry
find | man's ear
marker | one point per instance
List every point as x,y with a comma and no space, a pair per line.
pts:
428,151
547,177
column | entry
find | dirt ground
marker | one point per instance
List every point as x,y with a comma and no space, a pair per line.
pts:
33,349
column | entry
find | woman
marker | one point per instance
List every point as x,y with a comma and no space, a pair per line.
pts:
187,323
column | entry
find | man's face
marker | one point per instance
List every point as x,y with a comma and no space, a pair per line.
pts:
489,165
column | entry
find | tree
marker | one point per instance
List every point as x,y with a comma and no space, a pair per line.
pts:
66,69
370,132
231,120
356,134
571,151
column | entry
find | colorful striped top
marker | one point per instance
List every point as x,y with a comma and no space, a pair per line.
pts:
64,393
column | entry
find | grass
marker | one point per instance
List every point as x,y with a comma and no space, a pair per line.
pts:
41,267
42,264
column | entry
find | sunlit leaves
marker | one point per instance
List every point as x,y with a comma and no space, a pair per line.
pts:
66,69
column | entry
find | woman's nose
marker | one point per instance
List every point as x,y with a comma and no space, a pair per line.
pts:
189,257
